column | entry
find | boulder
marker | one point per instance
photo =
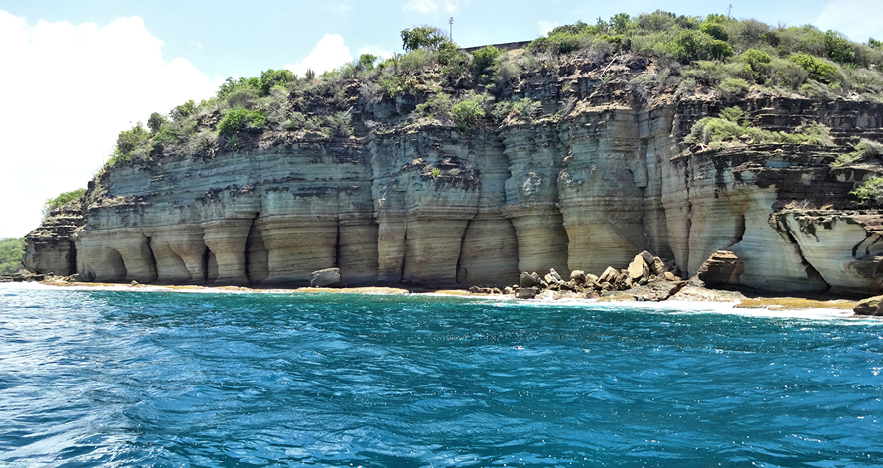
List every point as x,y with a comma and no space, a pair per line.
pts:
554,274
578,276
869,306
527,293
723,267
528,280
669,276
610,275
638,268
590,278
328,277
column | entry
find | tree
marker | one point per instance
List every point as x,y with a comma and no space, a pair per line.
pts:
423,37
155,122
366,61
11,252
483,58
875,44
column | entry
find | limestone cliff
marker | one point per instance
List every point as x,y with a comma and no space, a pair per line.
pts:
602,175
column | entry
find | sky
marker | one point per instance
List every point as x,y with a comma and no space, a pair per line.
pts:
74,74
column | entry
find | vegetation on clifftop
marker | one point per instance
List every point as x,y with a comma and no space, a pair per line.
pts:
435,82
62,199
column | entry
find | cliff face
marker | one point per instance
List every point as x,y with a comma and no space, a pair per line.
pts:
432,205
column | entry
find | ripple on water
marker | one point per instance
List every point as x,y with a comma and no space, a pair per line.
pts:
153,378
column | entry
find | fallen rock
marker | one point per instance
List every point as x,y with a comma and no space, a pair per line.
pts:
723,267
610,275
578,276
528,280
555,276
527,293
638,268
328,277
869,306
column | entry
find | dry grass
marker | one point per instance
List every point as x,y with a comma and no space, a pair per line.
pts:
793,303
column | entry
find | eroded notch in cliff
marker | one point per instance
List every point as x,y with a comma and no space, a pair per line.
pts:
151,262
811,271
257,259
337,247
738,234
462,273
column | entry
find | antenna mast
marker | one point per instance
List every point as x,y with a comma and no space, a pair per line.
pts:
451,32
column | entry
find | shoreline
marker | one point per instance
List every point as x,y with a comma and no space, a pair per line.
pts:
736,300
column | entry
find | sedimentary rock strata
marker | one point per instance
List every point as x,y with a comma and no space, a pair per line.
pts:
436,206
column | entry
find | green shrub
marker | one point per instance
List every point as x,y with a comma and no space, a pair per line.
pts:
438,107
758,63
863,149
128,140
62,199
690,46
838,47
484,58
870,193
715,30
734,86
467,113
449,54
818,69
875,44
242,96
731,126
238,119
272,78
11,252
416,60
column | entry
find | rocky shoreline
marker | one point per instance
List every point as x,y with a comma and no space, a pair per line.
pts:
660,290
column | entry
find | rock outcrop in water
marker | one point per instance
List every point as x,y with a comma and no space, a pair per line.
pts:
601,176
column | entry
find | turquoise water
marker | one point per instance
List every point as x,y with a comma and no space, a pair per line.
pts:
123,378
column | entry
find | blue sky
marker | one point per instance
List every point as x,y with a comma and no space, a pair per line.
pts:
76,73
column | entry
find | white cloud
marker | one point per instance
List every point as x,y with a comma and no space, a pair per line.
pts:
855,18
67,91
545,26
433,6
197,44
329,54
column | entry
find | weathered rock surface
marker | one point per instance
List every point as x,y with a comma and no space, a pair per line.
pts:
325,278
600,186
869,306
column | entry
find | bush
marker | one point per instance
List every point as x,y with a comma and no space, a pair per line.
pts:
237,119
730,126
734,86
875,44
11,252
863,149
438,107
272,78
467,113
484,58
758,63
838,47
690,46
715,30
818,69
870,193
128,140
62,199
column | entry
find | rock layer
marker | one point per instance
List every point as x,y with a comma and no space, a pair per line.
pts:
435,206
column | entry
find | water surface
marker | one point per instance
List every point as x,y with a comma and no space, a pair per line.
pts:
147,378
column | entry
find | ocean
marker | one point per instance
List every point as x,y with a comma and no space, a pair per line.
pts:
127,377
